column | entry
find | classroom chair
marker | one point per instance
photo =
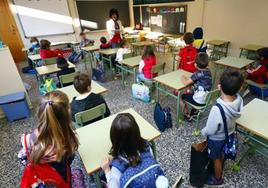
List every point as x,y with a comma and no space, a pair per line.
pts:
67,79
85,116
210,99
50,61
263,88
217,52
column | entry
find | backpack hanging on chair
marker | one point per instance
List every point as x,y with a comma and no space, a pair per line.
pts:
48,86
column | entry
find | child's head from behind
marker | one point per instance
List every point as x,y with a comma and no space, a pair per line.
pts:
103,40
62,63
44,44
123,44
148,51
126,138
201,60
82,36
34,40
188,38
262,53
198,33
54,127
231,82
82,83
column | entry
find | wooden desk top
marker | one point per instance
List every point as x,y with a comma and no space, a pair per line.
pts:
252,47
173,79
132,36
109,51
34,57
216,42
254,118
63,43
71,92
143,43
234,62
49,69
90,48
132,61
95,141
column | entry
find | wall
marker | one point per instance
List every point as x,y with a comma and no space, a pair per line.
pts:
239,21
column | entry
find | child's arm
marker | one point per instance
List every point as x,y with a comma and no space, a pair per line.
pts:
113,175
186,81
214,119
141,66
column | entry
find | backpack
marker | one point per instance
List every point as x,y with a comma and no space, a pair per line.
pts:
48,86
187,61
42,175
98,73
141,92
162,117
74,57
142,175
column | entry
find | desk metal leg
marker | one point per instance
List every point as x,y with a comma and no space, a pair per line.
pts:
178,109
174,61
153,148
97,179
241,52
157,91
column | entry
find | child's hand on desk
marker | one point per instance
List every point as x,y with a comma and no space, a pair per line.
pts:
105,164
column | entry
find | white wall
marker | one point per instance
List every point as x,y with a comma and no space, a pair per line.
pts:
239,21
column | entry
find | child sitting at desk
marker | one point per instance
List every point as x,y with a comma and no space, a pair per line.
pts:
202,81
104,44
64,66
186,55
84,41
199,43
87,99
232,104
120,53
45,51
131,158
146,64
32,50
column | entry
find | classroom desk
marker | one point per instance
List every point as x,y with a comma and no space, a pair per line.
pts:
95,141
108,54
90,52
172,80
253,126
129,65
219,49
132,38
138,45
71,92
35,59
249,49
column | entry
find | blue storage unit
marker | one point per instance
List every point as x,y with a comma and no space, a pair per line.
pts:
15,106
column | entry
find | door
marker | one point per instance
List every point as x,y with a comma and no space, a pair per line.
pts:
9,32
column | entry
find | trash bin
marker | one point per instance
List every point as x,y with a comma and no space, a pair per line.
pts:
15,106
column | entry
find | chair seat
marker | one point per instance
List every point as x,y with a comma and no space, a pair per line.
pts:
263,86
195,106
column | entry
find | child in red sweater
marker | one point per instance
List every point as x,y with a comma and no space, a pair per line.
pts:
46,52
259,73
187,54
146,64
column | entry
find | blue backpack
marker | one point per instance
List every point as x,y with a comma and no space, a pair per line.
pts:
143,175
162,117
98,73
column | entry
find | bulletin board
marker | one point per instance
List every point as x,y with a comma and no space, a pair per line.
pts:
171,19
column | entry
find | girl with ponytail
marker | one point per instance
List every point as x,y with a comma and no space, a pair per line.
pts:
53,142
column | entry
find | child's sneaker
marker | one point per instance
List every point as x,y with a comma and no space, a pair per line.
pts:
212,181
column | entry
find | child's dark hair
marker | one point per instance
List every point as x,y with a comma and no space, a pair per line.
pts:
122,43
198,33
103,40
188,38
126,138
62,63
82,82
82,34
148,51
231,81
34,39
44,44
263,52
112,12
201,60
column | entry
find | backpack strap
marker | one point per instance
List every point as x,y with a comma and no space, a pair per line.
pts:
201,45
224,122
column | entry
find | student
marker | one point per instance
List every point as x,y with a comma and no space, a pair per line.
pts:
34,44
146,64
202,81
104,44
232,103
187,54
122,50
46,52
64,66
53,142
199,43
259,73
84,41
131,155
87,99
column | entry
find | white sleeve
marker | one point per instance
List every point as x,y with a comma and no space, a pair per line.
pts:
113,178
110,28
141,66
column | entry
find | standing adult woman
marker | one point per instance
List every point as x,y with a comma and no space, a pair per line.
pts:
114,28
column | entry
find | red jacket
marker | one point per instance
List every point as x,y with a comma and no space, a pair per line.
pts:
259,76
149,62
50,53
187,61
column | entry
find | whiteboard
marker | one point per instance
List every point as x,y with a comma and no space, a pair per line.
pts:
44,17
